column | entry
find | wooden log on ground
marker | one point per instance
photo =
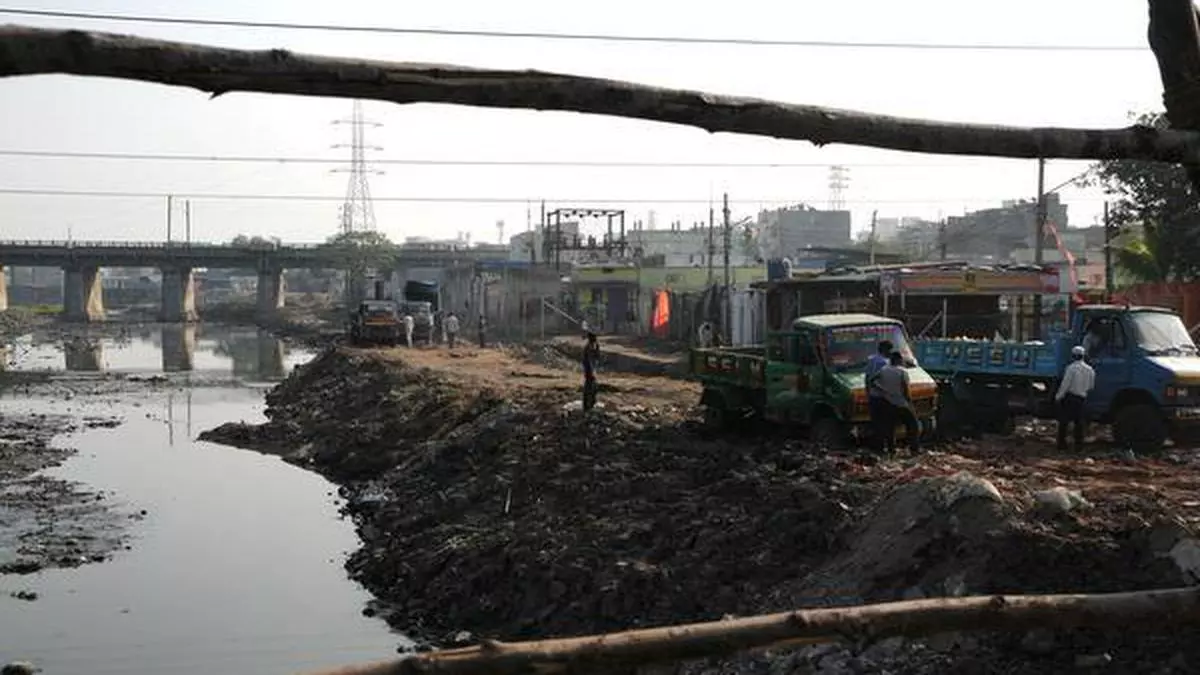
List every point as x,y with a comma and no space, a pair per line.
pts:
32,51
1150,610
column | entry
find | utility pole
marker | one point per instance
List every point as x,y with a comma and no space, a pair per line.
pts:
1109,281
1039,242
170,205
187,221
728,319
712,244
874,226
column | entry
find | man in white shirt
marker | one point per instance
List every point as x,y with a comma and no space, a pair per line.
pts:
410,324
1077,382
451,327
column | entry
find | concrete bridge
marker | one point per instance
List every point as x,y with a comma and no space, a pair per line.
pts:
81,262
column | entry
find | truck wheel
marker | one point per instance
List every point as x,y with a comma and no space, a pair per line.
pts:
1141,428
829,433
716,417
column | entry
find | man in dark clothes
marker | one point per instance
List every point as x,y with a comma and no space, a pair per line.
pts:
591,353
881,419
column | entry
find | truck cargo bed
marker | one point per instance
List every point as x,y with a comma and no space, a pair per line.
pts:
984,357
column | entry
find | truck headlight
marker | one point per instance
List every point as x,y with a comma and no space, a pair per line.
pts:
1177,392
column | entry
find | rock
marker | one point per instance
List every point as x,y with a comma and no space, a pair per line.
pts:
19,668
1092,660
1186,555
27,596
964,485
1060,500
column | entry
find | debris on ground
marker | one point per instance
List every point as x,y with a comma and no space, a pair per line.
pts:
488,503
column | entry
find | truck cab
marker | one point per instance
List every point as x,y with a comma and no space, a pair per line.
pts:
1147,372
812,375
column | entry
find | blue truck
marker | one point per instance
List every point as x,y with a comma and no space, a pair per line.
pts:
1147,376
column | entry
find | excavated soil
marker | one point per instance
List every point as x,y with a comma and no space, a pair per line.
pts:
490,506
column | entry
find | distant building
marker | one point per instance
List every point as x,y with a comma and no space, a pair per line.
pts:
785,232
888,229
918,239
996,233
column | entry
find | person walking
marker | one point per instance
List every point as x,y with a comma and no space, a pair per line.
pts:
451,327
894,382
882,427
591,354
1077,382
410,324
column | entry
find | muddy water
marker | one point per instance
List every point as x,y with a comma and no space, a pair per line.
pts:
236,565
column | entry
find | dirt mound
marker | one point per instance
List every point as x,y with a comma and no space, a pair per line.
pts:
504,511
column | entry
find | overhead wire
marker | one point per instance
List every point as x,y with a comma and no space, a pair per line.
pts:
549,35
55,192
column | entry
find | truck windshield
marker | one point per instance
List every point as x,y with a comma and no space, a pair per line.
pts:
849,348
1162,334
377,310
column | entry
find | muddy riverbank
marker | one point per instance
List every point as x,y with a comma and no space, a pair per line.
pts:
489,506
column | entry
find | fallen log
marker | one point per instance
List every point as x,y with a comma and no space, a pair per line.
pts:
1151,610
33,51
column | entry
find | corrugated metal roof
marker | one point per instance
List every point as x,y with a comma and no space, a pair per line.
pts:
836,320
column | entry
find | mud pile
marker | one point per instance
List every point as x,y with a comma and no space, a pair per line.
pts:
519,517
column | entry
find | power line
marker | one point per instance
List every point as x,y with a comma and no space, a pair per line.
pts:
51,192
594,37
260,159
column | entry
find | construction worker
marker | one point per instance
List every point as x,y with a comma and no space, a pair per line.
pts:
882,422
451,327
410,325
591,353
1077,382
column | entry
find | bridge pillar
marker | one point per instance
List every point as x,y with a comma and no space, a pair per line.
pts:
3,290
270,293
178,348
178,295
83,299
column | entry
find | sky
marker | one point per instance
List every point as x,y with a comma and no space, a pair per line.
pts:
1043,88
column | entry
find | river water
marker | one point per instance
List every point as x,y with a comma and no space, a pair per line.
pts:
236,566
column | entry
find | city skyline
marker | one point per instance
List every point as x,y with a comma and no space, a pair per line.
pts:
63,114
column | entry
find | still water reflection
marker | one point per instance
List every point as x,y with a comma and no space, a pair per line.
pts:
237,565
246,353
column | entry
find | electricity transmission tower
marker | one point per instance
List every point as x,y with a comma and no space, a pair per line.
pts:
839,180
357,214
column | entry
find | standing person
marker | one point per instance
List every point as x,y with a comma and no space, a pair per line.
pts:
450,325
1077,382
894,383
591,353
482,332
705,335
410,324
882,426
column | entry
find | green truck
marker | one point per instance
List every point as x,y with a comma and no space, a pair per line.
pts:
811,375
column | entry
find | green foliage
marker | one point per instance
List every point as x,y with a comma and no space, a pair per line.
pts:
1158,200
359,252
242,241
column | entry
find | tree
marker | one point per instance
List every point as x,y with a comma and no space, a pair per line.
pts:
243,241
361,252
1158,200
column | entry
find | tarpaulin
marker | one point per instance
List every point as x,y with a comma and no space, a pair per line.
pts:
662,314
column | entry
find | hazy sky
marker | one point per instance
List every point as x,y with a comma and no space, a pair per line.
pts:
1026,88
